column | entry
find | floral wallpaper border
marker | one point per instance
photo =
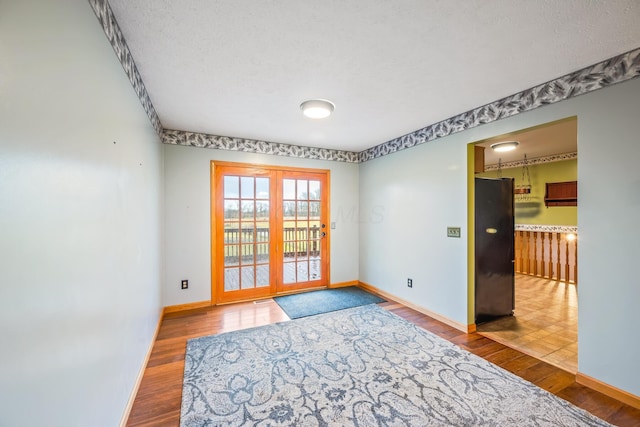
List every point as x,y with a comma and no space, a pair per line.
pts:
194,139
535,161
112,30
547,228
606,73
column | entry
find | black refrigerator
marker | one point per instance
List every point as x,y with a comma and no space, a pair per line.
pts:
494,249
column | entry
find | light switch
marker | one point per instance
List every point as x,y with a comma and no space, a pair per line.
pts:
453,232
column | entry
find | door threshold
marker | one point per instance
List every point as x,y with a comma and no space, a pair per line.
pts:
263,301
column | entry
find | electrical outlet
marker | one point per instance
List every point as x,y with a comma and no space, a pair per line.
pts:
410,283
453,232
185,284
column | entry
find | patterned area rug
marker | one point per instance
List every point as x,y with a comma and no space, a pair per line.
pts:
358,367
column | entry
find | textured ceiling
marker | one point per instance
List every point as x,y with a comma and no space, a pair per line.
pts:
241,68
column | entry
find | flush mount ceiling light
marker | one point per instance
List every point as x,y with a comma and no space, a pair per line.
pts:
505,146
317,108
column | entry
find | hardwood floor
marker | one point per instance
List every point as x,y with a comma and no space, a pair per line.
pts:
159,396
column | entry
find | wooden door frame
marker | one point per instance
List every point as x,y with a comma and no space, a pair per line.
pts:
290,173
214,219
254,171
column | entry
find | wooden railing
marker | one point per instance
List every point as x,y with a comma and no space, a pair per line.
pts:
302,241
548,254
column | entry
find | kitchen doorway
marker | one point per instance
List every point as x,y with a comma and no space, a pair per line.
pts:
545,318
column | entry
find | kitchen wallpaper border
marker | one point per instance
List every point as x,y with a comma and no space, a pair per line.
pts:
547,228
534,161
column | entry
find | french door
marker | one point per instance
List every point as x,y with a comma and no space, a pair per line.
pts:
269,230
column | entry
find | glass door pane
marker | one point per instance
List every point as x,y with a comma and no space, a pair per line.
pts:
302,232
246,233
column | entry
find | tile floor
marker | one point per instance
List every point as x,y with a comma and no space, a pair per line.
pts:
545,322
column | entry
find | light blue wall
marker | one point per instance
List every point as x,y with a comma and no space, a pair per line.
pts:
423,190
608,212
188,209
80,220
412,196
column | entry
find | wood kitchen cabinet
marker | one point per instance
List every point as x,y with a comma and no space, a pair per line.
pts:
561,194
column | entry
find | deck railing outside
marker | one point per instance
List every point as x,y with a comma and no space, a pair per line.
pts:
300,241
